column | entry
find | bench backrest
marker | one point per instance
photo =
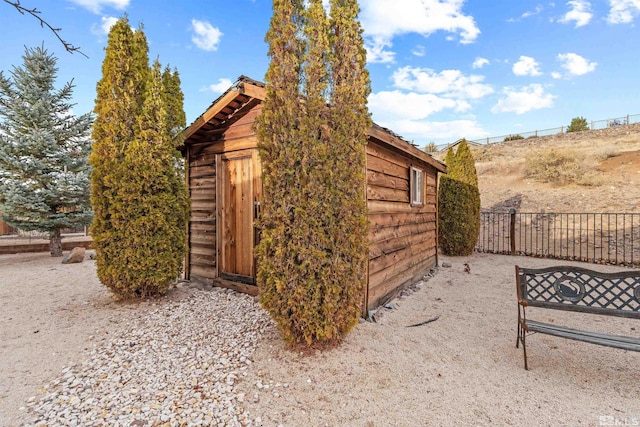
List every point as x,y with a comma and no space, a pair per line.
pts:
579,289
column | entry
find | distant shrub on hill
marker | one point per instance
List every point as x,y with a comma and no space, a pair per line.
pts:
513,138
578,124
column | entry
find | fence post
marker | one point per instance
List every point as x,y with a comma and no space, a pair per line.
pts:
512,230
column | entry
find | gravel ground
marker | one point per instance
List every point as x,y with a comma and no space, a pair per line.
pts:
70,355
177,365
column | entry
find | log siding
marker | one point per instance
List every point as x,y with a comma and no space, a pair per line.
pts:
402,235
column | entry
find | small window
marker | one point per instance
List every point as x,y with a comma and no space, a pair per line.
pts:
417,186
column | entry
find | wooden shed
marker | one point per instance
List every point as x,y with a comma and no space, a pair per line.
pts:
224,180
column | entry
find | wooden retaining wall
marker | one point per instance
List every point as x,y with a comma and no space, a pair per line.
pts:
20,248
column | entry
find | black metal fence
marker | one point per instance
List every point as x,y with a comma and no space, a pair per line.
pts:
602,238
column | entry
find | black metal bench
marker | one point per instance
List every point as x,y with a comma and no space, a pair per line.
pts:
580,290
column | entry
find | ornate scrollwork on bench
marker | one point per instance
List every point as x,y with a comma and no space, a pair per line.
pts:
569,288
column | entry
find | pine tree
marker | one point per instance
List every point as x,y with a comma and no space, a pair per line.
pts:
138,195
312,133
44,174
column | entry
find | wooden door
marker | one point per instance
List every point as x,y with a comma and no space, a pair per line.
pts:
238,192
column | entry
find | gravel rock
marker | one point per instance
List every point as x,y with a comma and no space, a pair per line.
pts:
177,364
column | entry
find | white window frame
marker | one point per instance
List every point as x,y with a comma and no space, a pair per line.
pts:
416,185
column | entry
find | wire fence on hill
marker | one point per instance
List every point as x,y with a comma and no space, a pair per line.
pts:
593,125
601,238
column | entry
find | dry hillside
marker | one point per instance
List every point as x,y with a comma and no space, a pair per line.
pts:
591,171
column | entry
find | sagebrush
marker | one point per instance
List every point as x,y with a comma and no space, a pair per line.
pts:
560,167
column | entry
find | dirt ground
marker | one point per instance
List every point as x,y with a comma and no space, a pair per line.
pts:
612,157
460,369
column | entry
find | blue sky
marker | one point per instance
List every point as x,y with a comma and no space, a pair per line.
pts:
440,70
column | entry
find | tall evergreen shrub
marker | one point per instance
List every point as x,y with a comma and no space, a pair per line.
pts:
313,252
459,203
138,194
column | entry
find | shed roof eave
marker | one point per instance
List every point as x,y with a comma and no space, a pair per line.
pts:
255,89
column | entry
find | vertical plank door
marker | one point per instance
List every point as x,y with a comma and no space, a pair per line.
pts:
236,218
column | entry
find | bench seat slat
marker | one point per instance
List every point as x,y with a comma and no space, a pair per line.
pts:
616,341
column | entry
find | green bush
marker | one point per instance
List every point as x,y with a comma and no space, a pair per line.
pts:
138,191
513,137
578,124
313,252
459,204
458,216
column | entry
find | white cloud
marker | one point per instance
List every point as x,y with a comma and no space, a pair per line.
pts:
411,106
556,75
382,20
526,66
539,8
206,36
220,87
106,22
529,13
427,130
623,11
96,6
376,50
528,98
448,83
580,13
479,62
418,51
575,64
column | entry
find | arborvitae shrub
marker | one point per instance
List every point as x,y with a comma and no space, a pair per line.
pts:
313,252
465,166
458,214
138,192
459,204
